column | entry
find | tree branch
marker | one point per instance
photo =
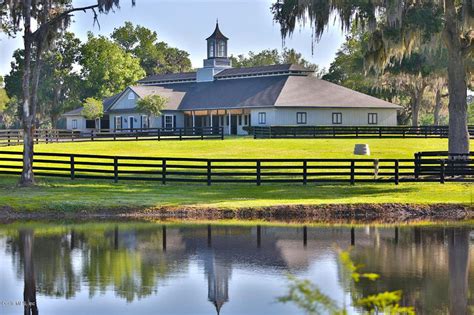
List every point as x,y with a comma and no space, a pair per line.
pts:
62,16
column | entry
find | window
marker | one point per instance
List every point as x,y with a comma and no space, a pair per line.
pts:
246,120
131,96
169,122
262,118
118,122
240,120
337,118
211,50
301,118
90,123
221,52
222,120
74,124
144,121
373,119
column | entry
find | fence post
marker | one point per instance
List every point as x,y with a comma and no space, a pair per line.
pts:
163,171
305,172
8,136
208,173
258,173
180,134
115,169
222,132
352,172
417,165
357,132
380,132
73,169
442,172
92,135
397,172
159,134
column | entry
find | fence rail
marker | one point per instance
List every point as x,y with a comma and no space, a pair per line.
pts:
15,136
351,132
254,171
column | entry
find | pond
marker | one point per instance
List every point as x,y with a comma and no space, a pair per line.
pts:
231,268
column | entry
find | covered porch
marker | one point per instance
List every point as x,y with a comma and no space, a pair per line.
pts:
232,120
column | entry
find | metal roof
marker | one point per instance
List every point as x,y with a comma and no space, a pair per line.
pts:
228,73
170,77
266,91
264,70
106,103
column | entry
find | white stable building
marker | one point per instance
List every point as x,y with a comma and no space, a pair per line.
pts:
219,95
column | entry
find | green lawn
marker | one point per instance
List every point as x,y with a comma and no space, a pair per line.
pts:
250,148
63,194
80,195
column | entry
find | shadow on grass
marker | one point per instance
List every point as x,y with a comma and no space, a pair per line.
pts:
83,192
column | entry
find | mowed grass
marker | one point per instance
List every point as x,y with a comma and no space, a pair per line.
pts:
249,148
89,195
95,195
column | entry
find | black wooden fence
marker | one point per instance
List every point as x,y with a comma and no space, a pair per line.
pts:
254,171
15,136
351,132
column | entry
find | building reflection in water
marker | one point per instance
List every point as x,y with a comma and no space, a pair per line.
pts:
431,265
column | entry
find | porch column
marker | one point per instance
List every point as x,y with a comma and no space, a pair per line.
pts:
194,119
230,124
211,119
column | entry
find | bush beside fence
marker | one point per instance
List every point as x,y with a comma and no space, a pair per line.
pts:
253,171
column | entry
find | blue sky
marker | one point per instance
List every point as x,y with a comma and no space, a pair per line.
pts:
186,23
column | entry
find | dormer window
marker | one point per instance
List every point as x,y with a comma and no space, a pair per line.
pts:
131,96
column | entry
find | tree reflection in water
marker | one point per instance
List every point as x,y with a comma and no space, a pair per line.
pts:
26,237
430,264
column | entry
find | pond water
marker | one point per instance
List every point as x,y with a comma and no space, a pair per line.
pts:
172,268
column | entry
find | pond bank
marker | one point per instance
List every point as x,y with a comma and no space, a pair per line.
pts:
337,213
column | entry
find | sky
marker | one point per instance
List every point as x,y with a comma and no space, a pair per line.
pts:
186,24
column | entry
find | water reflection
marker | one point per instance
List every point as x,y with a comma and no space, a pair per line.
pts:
155,268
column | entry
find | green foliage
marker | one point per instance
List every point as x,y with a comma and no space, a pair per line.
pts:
155,57
269,57
309,298
152,105
92,108
60,87
312,300
4,99
470,114
107,69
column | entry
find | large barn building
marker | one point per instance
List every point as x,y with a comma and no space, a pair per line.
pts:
219,95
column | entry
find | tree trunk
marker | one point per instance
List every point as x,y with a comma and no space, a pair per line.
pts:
437,108
27,177
457,86
416,100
